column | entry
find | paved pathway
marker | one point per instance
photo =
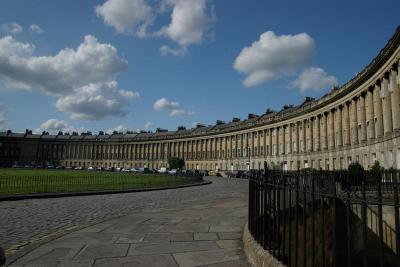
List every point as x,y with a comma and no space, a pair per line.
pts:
195,226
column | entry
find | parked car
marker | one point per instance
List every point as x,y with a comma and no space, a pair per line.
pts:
59,167
133,170
17,166
125,170
162,170
173,171
90,168
143,170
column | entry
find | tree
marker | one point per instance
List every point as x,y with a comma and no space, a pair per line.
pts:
355,167
376,171
175,162
356,175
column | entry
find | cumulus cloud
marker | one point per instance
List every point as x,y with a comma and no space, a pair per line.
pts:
11,28
174,108
91,62
191,22
96,101
54,126
3,109
36,28
313,79
118,129
272,55
163,104
148,125
126,16
81,78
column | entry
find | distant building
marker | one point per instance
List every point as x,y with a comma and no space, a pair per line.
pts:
359,121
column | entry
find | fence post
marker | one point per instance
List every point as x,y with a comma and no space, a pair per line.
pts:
396,210
333,199
364,223
380,221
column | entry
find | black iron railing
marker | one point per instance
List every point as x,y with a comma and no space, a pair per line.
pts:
326,218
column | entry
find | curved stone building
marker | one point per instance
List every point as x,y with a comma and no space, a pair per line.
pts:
360,121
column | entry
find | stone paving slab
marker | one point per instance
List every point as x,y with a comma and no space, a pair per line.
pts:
200,258
205,234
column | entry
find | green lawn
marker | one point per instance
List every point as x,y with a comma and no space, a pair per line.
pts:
30,181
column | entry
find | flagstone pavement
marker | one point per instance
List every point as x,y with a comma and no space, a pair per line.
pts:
196,233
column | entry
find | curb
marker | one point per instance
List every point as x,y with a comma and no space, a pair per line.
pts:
255,254
103,192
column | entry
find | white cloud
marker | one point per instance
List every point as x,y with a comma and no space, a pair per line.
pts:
191,22
272,56
126,16
91,62
314,79
148,125
96,101
163,104
11,28
179,52
36,28
3,109
174,108
81,78
180,113
54,126
119,129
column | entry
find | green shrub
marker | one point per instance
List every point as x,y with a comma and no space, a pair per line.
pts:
355,167
376,171
175,162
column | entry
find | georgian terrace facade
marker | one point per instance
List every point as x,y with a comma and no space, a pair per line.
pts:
359,121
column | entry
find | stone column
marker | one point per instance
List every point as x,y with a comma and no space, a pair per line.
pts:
317,145
353,122
362,118
331,129
395,99
339,127
290,147
378,112
386,107
346,123
277,140
369,106
324,132
309,135
284,139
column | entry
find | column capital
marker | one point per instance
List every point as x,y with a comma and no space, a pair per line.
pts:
363,93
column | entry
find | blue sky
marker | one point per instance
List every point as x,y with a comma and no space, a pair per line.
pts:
221,58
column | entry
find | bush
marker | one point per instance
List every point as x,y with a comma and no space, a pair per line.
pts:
376,171
355,177
176,163
355,167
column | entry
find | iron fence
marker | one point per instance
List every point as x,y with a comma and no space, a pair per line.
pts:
326,218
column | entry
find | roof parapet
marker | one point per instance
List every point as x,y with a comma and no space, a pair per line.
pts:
252,116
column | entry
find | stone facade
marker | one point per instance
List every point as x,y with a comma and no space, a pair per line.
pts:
360,121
